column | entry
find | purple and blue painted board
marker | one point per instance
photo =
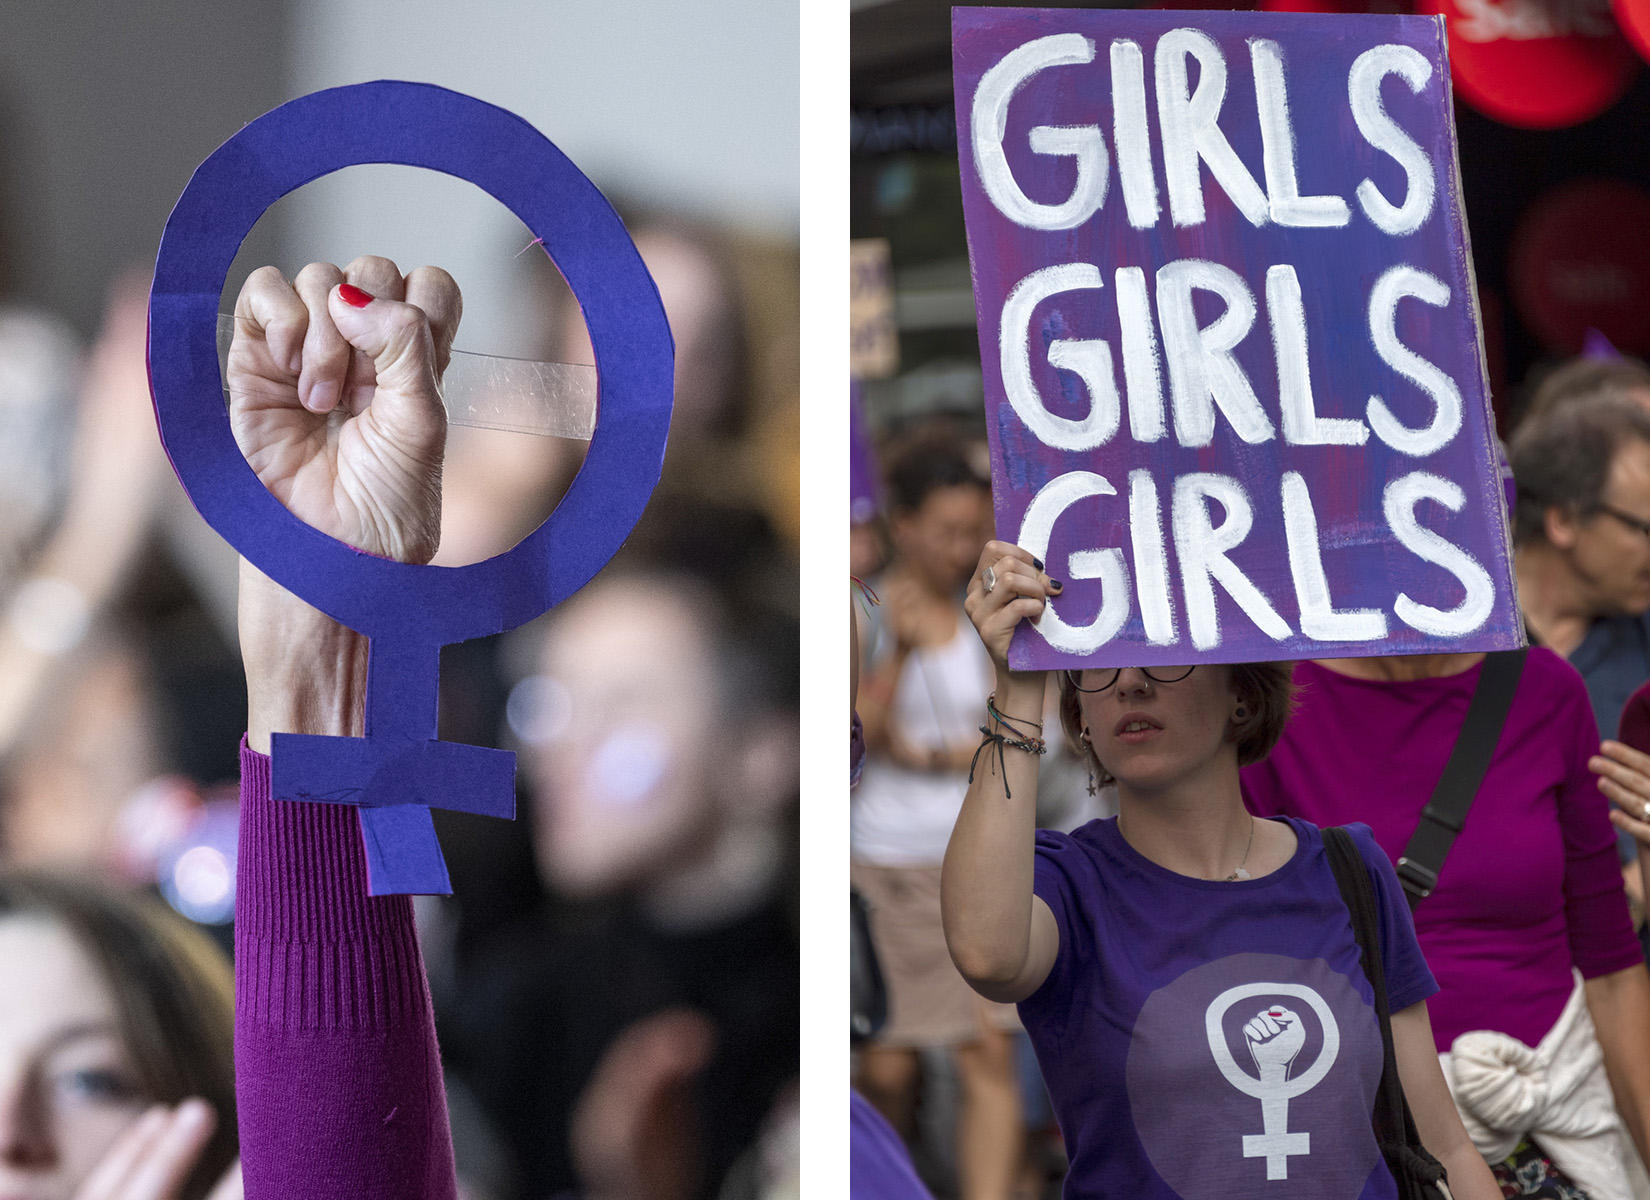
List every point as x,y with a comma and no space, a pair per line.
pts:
1233,372
864,490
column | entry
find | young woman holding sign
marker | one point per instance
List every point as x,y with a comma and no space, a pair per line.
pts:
1188,973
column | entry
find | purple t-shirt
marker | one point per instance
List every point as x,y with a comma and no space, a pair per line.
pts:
1530,887
879,1167
1206,1040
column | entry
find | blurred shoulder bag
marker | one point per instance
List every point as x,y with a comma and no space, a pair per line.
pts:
1419,1175
867,991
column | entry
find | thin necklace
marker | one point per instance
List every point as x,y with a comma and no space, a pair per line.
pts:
1241,872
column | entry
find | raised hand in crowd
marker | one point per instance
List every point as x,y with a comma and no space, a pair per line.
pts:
152,1160
996,614
334,401
116,473
633,1130
1624,778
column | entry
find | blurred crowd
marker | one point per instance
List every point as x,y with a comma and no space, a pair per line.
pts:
615,975
954,1075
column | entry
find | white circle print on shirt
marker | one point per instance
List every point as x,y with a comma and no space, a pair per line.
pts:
1283,1059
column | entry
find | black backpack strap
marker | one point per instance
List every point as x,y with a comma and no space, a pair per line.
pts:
1394,1126
1446,811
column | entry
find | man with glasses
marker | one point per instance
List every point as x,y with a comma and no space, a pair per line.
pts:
1581,547
1581,535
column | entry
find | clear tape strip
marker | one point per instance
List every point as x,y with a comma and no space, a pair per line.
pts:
489,391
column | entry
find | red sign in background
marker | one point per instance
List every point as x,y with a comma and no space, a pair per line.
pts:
1634,18
1537,64
1579,261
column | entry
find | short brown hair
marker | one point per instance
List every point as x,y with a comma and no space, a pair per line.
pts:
174,994
1562,458
1266,689
1582,378
925,463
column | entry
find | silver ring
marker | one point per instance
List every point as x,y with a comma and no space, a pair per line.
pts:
1646,817
988,580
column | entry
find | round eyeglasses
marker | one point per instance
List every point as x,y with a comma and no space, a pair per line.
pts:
1155,674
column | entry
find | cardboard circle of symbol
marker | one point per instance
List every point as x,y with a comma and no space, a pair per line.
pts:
399,769
418,125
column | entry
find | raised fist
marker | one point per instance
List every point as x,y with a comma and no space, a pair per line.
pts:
1275,1036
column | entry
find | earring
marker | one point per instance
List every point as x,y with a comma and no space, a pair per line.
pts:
1240,713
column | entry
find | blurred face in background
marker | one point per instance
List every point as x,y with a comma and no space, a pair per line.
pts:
940,539
623,737
67,1085
1610,556
701,302
88,749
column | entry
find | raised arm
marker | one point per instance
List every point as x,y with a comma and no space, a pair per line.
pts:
333,400
902,631
1002,937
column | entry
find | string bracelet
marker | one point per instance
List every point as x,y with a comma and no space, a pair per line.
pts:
1031,745
1011,723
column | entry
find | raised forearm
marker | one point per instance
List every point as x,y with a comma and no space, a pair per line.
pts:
305,673
315,953
986,885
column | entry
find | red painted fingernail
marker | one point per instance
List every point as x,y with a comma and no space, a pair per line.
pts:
354,296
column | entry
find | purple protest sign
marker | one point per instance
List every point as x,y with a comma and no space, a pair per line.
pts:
399,770
864,489
1234,381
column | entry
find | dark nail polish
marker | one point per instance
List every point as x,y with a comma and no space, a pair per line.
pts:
1054,585
354,296
1038,563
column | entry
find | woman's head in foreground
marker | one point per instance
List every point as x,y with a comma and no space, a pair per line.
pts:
1150,727
108,1005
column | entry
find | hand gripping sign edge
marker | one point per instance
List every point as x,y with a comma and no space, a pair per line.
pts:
399,769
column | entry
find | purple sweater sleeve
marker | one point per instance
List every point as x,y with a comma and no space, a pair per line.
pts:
336,1070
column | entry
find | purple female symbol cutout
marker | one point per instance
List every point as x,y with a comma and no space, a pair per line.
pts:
399,770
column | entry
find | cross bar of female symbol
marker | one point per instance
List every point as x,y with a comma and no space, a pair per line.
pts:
395,773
